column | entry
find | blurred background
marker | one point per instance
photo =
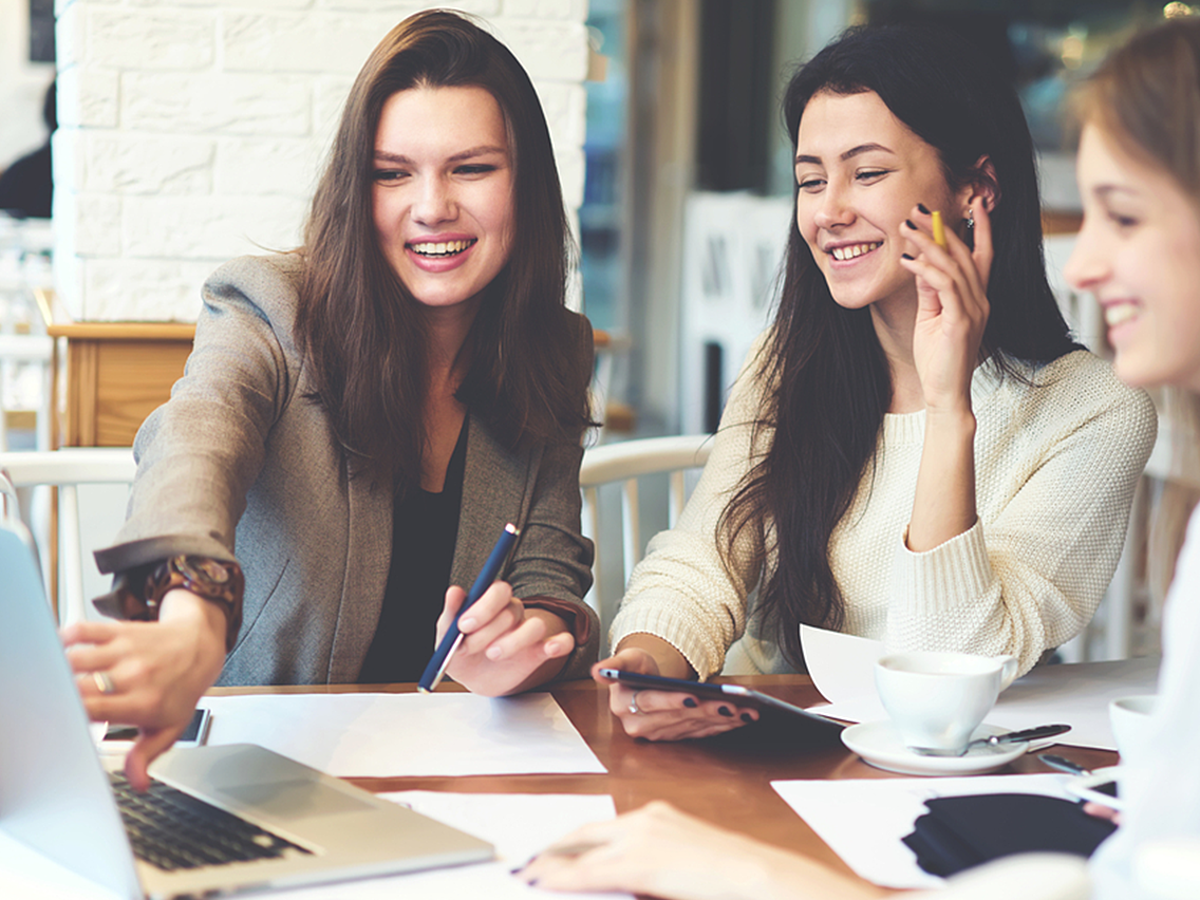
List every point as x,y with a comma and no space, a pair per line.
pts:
186,132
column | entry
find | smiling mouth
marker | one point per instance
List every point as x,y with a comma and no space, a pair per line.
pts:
853,251
1119,313
441,249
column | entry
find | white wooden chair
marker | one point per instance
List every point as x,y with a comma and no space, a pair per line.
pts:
34,351
624,464
65,469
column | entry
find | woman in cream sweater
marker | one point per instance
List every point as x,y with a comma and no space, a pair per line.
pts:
916,451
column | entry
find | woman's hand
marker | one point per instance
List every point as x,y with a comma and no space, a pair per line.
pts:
952,308
664,715
506,648
952,312
152,673
660,851
1100,811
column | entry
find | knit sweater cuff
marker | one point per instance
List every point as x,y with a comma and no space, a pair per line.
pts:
699,649
955,572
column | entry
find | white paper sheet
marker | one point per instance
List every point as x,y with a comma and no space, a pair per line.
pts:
842,668
380,735
28,875
863,821
519,825
1077,694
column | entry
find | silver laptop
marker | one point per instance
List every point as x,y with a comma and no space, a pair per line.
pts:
56,797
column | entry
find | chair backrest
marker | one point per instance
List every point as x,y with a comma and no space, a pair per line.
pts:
623,464
66,470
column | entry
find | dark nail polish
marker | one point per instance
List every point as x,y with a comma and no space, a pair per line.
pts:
726,712
921,207
906,256
747,718
690,703
909,223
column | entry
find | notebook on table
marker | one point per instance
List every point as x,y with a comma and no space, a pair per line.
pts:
218,819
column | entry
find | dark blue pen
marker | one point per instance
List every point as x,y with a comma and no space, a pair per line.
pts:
432,676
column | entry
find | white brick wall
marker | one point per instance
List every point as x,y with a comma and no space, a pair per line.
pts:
191,131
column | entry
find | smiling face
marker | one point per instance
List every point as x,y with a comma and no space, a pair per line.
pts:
443,192
1138,252
861,171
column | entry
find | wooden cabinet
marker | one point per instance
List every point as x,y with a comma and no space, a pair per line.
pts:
116,374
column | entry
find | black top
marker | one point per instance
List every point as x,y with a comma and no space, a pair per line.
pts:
424,531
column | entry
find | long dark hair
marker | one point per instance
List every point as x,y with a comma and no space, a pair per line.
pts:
361,330
828,379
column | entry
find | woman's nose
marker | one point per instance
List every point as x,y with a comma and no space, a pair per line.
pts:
435,203
1087,265
834,210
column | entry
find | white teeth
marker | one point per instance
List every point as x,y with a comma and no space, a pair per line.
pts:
1118,313
853,250
441,248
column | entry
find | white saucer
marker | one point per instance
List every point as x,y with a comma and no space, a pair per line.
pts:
879,745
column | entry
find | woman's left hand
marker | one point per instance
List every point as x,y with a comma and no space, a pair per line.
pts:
661,851
952,308
506,648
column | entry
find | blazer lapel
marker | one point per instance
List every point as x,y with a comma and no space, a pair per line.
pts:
368,555
496,487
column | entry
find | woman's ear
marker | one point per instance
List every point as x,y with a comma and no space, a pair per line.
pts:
983,184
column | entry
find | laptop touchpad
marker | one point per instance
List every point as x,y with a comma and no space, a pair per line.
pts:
288,799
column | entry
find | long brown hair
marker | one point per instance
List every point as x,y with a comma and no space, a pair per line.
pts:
1146,97
362,332
828,379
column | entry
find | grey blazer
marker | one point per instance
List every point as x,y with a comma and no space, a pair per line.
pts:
240,463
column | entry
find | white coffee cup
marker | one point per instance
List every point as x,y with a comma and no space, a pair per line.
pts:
936,700
1128,717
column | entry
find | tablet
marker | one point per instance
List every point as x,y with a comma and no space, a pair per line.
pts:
770,708
1100,786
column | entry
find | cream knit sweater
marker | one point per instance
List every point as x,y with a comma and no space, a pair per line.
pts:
1056,466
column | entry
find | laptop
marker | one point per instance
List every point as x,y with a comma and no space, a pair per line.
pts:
235,801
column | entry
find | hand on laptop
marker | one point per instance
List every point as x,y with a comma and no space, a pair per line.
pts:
507,648
149,674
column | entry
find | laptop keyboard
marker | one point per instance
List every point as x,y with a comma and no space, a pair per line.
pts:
173,830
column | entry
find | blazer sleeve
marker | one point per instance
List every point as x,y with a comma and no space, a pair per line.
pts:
199,453
553,558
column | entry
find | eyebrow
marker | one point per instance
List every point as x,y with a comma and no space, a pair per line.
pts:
484,150
849,154
1107,190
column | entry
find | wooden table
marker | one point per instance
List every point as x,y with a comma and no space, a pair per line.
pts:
726,780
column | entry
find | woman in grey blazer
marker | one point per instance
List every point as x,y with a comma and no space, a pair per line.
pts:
361,417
